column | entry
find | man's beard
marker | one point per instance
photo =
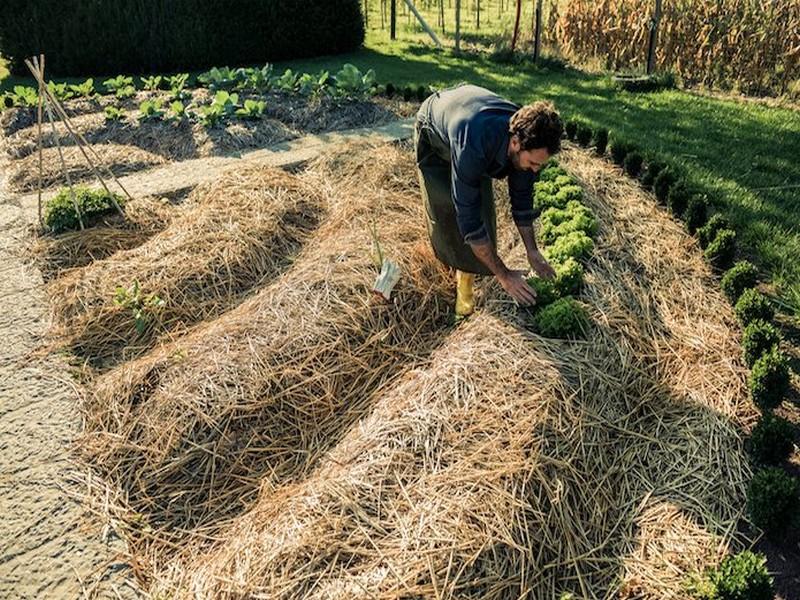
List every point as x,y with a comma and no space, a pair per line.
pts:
515,160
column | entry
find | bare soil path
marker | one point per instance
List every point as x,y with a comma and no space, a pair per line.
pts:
50,546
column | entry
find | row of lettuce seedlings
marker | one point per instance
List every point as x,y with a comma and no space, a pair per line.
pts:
772,497
566,230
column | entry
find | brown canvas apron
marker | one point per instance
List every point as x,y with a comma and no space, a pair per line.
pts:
434,170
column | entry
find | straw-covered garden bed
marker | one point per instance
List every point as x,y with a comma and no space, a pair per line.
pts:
305,438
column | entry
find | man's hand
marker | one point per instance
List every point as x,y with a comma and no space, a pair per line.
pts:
514,284
540,265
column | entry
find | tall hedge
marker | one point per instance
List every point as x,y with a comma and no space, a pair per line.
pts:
82,37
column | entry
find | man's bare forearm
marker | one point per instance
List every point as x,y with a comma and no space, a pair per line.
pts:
486,253
528,237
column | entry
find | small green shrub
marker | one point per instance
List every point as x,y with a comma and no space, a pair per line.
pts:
708,232
743,576
575,245
390,90
633,164
678,198
619,150
654,167
721,251
564,318
584,135
571,129
142,306
753,305
60,214
408,93
741,276
696,213
663,181
550,173
772,501
769,379
600,140
772,440
422,93
759,338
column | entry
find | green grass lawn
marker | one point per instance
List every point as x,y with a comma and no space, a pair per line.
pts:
745,155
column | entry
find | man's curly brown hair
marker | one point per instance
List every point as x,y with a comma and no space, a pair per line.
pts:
537,125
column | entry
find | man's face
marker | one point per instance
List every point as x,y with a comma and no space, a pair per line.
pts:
527,160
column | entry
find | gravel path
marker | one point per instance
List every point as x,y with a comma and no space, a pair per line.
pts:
50,547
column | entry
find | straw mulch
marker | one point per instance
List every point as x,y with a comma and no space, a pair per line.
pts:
234,234
23,174
192,430
509,465
144,217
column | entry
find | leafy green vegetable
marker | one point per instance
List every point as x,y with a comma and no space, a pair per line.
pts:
85,89
352,83
142,307
220,78
150,110
120,86
151,83
60,91
60,214
114,114
564,318
252,109
575,244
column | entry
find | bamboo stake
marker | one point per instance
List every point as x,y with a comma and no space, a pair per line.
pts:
39,142
34,67
81,143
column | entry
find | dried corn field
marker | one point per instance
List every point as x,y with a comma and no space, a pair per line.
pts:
753,45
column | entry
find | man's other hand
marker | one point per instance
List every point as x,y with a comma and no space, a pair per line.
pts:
540,266
514,284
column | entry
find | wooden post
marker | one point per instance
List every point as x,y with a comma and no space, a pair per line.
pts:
393,19
516,26
458,25
651,49
478,14
424,24
537,40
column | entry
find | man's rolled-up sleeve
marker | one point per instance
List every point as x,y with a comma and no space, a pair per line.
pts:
467,168
520,190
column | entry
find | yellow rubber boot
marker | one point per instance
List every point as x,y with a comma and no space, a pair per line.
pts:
465,298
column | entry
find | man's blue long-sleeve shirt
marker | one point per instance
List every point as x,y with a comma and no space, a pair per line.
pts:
473,123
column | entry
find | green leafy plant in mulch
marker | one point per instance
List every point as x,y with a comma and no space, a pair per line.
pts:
771,441
575,244
151,110
555,222
740,277
753,305
662,183
759,338
564,318
678,198
769,379
571,129
584,135
60,214
633,163
772,499
742,576
551,173
600,140
654,167
720,252
151,84
142,306
112,113
696,213
619,149
83,90
252,109
707,233
60,91
121,86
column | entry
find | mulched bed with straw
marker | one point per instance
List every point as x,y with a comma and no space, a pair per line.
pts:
316,442
23,174
232,234
193,430
144,217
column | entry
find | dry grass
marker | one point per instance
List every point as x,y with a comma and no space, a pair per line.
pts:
144,217
297,447
234,234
